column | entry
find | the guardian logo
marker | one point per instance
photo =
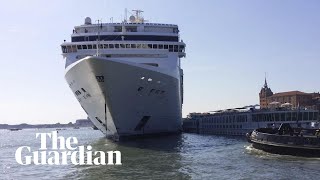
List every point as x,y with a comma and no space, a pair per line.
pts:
64,153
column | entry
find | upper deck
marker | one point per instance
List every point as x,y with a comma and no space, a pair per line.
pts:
134,35
133,29
126,31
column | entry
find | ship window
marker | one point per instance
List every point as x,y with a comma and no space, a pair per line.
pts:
288,116
310,115
69,49
86,38
277,116
94,46
100,46
111,46
133,46
118,29
116,45
315,117
170,48
89,46
105,46
64,49
127,45
283,116
84,47
139,46
166,46
122,46
154,46
300,116
79,47
175,48
181,48
305,116
131,28
294,116
160,46
150,46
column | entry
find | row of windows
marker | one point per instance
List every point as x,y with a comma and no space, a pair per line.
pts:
218,126
124,38
222,132
288,116
225,119
171,48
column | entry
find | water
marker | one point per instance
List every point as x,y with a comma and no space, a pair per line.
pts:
186,156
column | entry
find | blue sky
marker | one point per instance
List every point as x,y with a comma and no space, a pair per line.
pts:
230,46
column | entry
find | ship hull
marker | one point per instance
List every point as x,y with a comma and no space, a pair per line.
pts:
125,99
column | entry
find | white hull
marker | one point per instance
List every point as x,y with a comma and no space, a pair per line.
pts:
125,99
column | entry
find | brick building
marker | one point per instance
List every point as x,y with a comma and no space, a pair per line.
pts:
295,98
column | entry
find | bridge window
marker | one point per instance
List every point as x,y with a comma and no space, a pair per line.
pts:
64,49
79,47
131,28
118,29
84,47
175,48
170,48
181,48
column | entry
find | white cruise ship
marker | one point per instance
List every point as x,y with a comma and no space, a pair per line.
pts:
239,121
127,76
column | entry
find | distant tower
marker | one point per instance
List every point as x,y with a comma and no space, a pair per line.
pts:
264,94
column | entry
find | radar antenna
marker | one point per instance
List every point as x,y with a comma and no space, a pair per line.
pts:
98,40
138,17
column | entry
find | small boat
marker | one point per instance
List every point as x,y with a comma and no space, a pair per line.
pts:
15,129
287,140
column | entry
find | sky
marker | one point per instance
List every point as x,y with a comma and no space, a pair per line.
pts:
231,44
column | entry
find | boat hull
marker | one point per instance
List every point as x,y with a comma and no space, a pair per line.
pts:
287,150
126,99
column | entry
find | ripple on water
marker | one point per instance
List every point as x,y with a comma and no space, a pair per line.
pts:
187,156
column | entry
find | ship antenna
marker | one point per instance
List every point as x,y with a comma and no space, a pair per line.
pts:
125,15
98,40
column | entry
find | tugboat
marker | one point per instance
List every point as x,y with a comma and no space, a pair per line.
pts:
287,140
